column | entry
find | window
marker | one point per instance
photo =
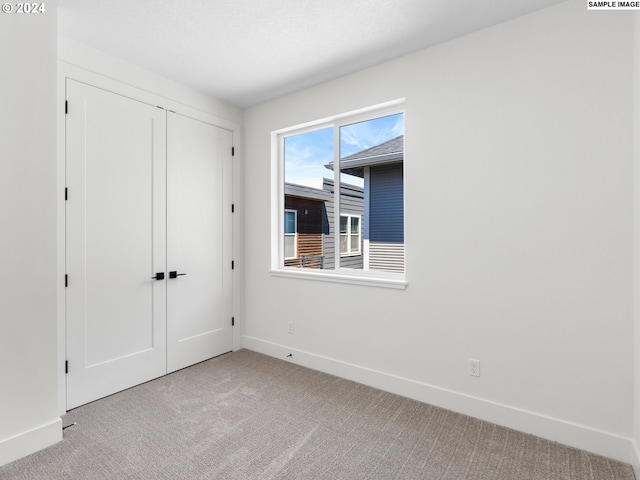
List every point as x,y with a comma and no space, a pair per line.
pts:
290,222
349,235
340,197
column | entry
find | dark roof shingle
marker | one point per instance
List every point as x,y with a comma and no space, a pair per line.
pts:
395,145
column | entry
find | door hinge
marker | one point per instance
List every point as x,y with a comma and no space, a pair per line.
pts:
66,107
66,280
233,151
66,366
233,264
233,321
66,193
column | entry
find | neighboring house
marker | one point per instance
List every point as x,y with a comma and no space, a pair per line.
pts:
371,219
308,229
305,225
381,167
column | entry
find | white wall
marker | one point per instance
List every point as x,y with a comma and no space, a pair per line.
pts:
518,182
75,53
28,279
636,211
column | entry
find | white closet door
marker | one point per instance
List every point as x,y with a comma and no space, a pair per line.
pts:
115,242
198,241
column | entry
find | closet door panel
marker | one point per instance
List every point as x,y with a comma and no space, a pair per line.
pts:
115,242
198,241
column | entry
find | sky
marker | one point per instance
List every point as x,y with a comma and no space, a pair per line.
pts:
306,154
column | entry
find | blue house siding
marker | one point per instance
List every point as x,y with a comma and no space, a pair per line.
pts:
386,204
381,167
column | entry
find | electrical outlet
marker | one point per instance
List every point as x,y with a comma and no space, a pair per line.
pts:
290,328
474,367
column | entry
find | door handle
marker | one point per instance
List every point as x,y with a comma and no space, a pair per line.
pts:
175,274
159,276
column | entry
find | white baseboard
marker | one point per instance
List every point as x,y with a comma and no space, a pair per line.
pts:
31,441
579,436
635,462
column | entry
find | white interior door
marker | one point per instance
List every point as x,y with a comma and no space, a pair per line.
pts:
199,222
115,242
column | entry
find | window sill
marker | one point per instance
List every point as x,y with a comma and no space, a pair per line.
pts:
370,279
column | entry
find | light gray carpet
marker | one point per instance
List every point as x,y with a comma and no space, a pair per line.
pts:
247,416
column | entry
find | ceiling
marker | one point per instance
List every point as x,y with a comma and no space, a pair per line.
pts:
249,51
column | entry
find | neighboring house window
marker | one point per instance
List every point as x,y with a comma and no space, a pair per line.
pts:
350,236
290,222
340,197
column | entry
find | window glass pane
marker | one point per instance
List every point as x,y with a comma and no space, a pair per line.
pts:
343,224
344,245
355,243
372,188
367,207
289,246
308,191
289,222
355,224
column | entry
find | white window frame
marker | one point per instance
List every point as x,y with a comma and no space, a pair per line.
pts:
294,234
339,274
349,252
